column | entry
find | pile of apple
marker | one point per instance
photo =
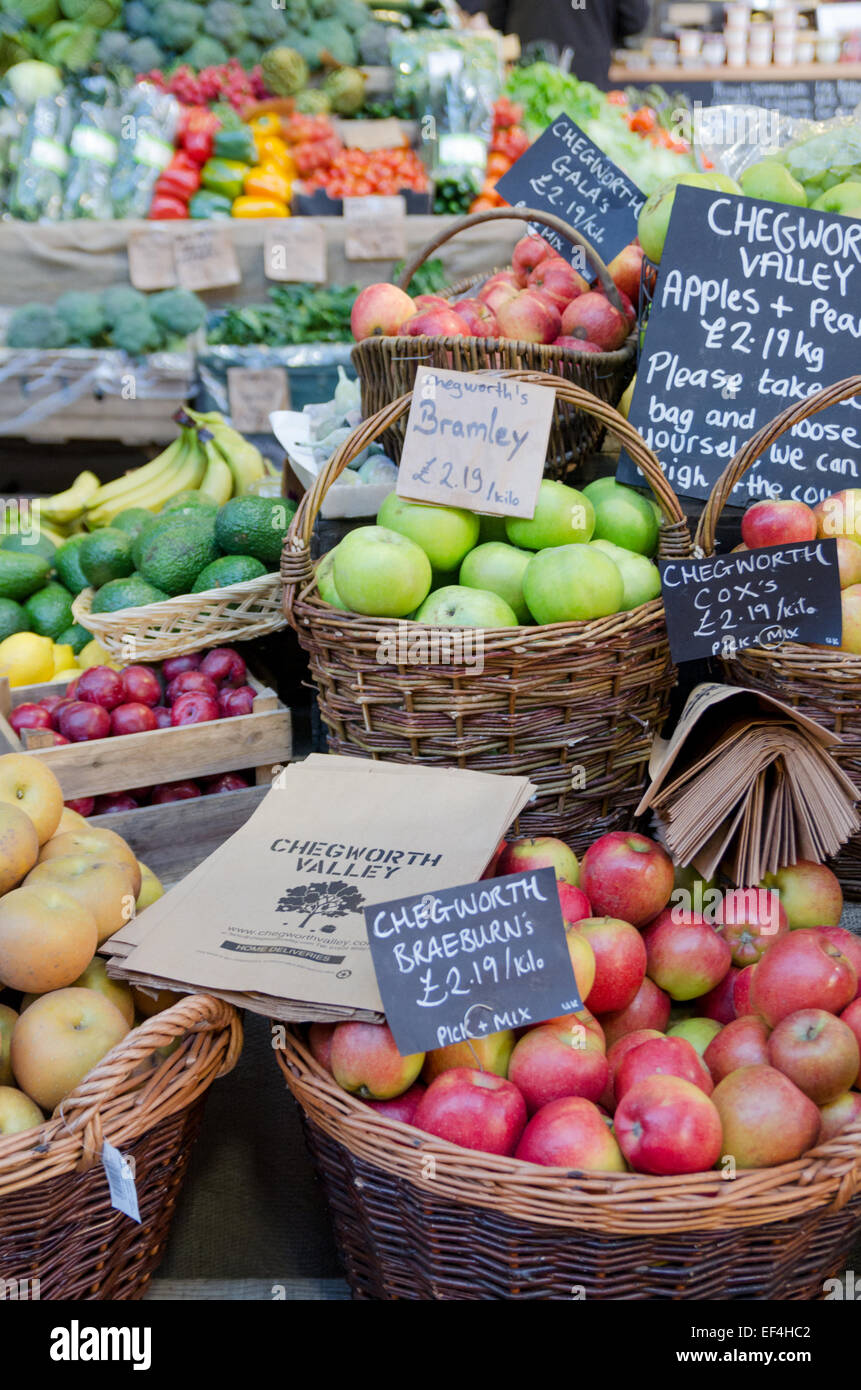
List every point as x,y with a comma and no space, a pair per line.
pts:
583,555
64,889
160,794
732,1041
782,521
542,299
103,702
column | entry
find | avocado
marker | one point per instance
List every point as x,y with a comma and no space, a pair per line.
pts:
132,521
30,545
172,554
21,575
105,555
188,501
50,610
13,618
130,592
67,563
230,569
255,526
75,637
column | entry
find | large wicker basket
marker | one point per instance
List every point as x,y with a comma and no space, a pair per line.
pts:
57,1225
416,1217
819,681
573,705
188,623
387,366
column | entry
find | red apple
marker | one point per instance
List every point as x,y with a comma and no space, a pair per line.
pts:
749,920
741,981
529,252
320,1043
401,1108
622,1046
491,1053
491,870
625,270
190,680
58,707
132,719
777,522
495,296
582,1017
174,791
582,959
620,962
550,1062
575,906
571,1133
478,317
173,666
141,685
838,1114
72,688
849,944
649,1008
576,344
162,716
116,801
223,664
766,1119
82,804
662,1057
810,894
194,707
592,316
558,280
429,301
81,721
803,970
436,323
719,1003
100,685
545,852
628,309
817,1051
473,1109
30,716
366,1061
686,959
50,702
380,310
741,1043
227,782
530,317
666,1125
239,701
851,1016
627,875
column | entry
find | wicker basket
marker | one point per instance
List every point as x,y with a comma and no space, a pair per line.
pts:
57,1224
387,366
569,702
416,1217
188,623
819,681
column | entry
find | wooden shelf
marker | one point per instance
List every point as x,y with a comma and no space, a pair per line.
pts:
800,72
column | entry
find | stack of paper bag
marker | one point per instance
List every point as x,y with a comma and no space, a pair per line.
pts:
747,784
273,921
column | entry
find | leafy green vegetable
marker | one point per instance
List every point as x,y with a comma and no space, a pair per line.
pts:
296,314
430,278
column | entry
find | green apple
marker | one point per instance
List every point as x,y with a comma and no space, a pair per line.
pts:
380,572
491,528
772,181
654,218
625,517
844,198
572,583
640,578
458,606
597,489
697,1031
563,516
445,534
326,580
499,569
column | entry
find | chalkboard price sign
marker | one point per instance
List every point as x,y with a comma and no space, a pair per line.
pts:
564,173
466,962
775,594
757,305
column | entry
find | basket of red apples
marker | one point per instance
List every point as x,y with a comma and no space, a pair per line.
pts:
822,682
540,315
693,1132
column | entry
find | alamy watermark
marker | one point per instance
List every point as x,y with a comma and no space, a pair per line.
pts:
724,126
416,644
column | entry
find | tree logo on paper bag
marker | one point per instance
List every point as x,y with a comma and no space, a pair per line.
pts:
321,900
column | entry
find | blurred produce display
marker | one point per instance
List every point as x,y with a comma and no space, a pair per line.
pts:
119,317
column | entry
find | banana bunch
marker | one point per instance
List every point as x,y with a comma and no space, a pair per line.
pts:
64,508
245,463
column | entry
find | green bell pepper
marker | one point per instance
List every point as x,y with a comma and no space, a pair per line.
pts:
210,206
224,176
235,144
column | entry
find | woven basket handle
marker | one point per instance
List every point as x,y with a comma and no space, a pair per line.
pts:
297,569
199,1014
756,447
548,219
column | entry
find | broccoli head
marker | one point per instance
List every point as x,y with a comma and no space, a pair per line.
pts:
114,48
136,333
307,48
331,37
98,13
285,71
83,315
119,300
266,24
225,21
205,52
249,54
297,13
36,326
374,42
322,9
144,55
138,19
353,14
177,312
175,24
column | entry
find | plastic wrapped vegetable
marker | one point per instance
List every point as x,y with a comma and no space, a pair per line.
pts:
826,154
94,147
43,162
149,122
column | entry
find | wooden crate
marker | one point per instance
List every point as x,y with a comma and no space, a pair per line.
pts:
259,740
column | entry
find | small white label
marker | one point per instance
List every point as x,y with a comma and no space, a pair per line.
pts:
149,149
48,154
88,143
462,149
123,1189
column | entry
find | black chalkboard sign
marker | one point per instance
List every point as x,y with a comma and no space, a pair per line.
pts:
809,99
779,593
756,306
565,173
466,962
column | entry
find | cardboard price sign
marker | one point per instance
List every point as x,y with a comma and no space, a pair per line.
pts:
253,393
565,173
206,258
779,593
475,440
151,261
465,962
385,134
295,250
757,305
375,228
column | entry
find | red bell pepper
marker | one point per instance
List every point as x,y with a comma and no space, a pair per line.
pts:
181,177
167,207
198,133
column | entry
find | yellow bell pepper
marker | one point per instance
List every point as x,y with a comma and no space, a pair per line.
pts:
260,207
265,181
271,149
266,124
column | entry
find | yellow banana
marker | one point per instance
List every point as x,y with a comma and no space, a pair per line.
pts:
244,459
67,506
186,472
218,479
138,477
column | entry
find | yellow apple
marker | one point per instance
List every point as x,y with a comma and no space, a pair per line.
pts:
104,844
60,1038
149,1002
96,977
46,938
151,888
8,1019
105,887
30,785
17,1112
